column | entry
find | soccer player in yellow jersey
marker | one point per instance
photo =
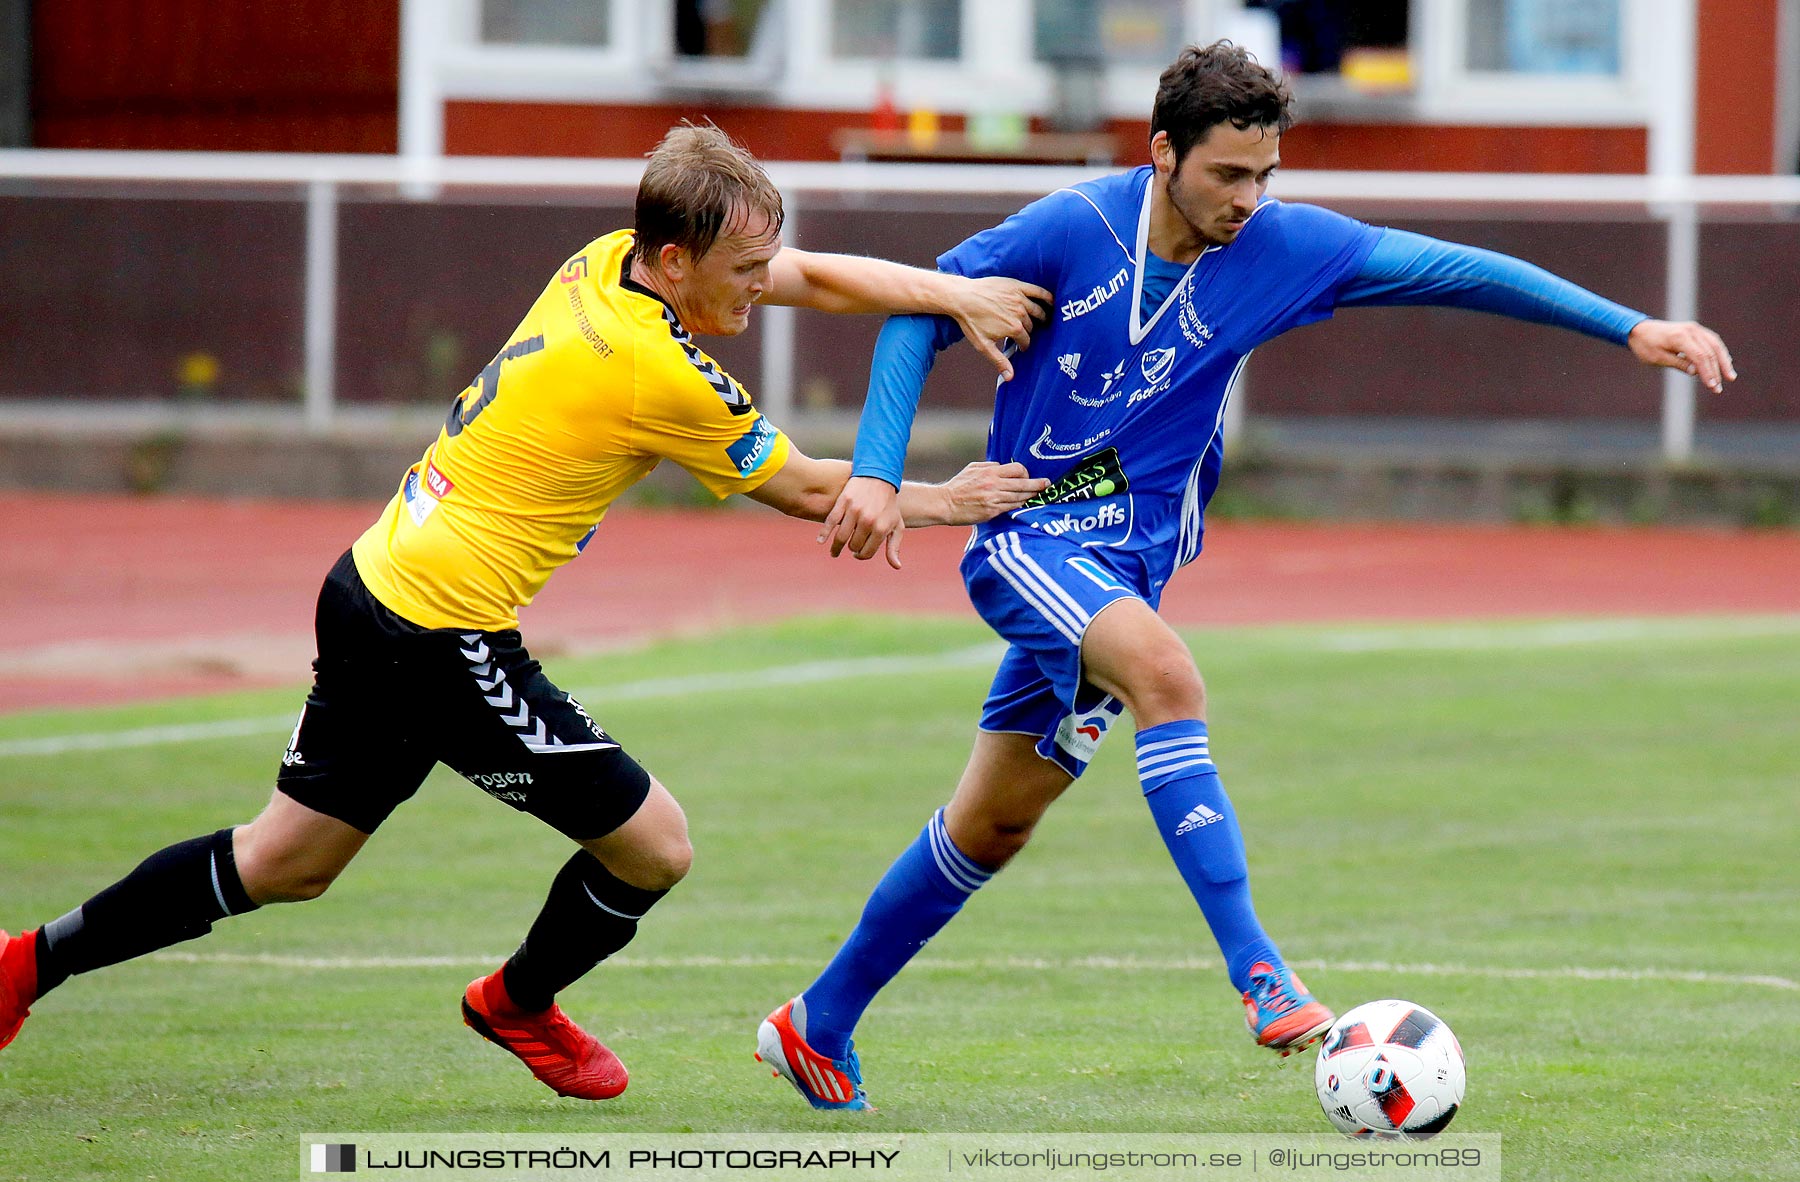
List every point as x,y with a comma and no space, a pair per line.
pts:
420,659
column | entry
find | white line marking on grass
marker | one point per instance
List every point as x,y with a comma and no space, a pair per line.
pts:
805,673
1428,637
1009,964
1548,634
150,736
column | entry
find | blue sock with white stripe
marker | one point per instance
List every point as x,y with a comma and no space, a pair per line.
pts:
1200,828
920,893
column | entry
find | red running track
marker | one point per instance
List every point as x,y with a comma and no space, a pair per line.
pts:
114,599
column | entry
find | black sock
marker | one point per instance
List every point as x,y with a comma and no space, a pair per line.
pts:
175,894
589,915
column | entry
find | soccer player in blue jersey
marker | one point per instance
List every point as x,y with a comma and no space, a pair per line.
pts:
1166,278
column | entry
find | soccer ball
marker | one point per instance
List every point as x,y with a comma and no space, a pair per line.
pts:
1390,1069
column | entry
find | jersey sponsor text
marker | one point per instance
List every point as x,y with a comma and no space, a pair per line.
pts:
1096,297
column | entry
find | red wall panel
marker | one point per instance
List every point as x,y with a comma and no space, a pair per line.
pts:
1735,86
202,74
586,129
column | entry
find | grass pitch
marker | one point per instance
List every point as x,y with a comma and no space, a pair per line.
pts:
1577,844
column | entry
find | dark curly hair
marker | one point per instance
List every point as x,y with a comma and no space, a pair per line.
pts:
1214,84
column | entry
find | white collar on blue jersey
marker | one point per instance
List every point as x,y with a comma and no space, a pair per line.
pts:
1140,330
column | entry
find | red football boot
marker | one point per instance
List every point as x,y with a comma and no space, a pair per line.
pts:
18,981
569,1060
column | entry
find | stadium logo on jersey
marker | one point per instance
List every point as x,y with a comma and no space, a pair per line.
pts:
753,447
574,270
1093,299
1156,364
1090,480
1070,363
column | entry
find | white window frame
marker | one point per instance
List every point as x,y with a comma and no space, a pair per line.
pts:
444,58
1449,91
466,67
995,71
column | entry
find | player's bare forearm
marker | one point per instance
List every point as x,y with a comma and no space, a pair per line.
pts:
867,515
980,492
871,515
1691,348
990,311
805,488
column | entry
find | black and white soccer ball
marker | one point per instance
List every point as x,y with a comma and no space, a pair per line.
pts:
1390,1069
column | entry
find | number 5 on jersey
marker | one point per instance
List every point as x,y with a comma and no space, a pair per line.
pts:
462,411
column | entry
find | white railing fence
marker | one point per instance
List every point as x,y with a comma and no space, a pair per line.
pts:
320,181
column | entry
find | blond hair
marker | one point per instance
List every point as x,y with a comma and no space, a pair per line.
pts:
696,183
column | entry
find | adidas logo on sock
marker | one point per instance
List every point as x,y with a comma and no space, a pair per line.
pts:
1198,819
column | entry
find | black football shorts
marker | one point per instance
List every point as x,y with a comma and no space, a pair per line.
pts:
391,699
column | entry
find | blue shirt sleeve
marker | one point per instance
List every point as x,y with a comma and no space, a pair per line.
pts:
904,354
1407,268
1027,246
1030,245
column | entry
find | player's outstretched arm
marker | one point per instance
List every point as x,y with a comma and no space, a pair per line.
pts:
990,311
811,489
1691,348
1407,268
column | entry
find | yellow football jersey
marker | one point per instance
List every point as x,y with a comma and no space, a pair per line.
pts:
597,386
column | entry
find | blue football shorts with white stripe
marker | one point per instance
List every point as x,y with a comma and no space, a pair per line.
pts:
1040,593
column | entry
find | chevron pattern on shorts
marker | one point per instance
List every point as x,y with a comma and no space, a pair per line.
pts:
497,692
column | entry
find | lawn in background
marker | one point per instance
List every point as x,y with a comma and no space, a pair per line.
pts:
1470,817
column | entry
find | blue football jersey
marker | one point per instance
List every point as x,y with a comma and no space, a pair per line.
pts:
1121,407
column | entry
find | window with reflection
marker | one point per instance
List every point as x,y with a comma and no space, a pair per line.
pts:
546,22
929,29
